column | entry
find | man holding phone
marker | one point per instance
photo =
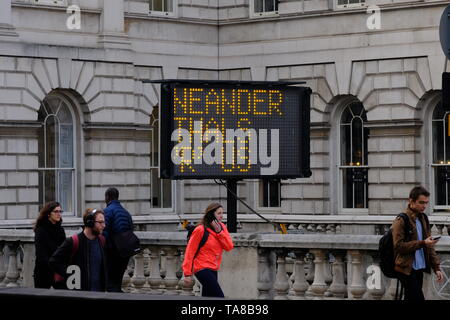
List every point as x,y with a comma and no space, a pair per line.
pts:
414,248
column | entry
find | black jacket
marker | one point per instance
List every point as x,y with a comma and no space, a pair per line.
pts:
61,259
47,238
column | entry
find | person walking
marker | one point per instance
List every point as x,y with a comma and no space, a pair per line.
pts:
414,248
205,263
118,220
48,236
84,250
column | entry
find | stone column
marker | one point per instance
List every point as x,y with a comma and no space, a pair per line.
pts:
300,284
281,285
12,275
319,286
338,287
7,30
112,34
357,287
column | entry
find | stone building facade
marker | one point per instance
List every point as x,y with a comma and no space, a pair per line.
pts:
76,118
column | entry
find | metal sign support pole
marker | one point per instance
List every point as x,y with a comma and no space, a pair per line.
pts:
231,205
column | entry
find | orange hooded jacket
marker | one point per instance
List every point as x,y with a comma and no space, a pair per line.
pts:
210,255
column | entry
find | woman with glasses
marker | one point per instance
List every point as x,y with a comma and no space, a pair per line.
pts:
48,236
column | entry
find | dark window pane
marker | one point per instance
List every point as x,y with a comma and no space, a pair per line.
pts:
258,5
157,5
274,193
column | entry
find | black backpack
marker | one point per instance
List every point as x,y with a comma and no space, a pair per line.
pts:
190,228
386,249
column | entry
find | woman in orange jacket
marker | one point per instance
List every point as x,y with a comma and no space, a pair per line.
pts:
205,263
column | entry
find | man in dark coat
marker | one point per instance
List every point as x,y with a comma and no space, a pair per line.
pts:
118,220
88,256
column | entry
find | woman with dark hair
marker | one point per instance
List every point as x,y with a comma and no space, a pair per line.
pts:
205,263
48,236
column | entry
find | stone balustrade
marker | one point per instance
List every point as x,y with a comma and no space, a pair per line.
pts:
261,266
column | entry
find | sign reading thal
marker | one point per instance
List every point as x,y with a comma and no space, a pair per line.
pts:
234,130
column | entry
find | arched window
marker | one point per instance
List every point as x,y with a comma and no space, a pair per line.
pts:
353,157
56,152
441,157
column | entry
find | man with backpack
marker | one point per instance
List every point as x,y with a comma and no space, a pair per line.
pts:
414,246
118,221
85,252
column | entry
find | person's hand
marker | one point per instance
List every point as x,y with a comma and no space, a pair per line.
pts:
429,242
440,276
188,281
216,225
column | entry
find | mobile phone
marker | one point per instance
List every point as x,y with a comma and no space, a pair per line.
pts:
436,237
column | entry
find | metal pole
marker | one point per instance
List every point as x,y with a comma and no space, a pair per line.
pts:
231,205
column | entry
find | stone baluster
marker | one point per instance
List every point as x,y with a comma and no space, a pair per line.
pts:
300,285
311,268
138,279
357,287
155,270
2,264
265,274
281,284
162,270
311,228
12,275
126,280
19,257
318,287
146,258
187,290
301,227
338,288
171,279
328,277
390,292
375,285
440,228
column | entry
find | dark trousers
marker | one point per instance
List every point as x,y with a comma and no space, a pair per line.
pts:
412,285
116,269
210,285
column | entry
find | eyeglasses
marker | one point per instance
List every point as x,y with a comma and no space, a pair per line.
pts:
57,211
100,222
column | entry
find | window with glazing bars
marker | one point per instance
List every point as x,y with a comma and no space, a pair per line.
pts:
353,157
269,193
161,5
441,157
161,189
56,145
261,6
349,3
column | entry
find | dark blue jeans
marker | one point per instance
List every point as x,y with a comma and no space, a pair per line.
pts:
210,286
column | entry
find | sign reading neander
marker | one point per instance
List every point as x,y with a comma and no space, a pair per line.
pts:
234,130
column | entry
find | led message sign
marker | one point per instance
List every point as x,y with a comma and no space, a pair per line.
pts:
234,130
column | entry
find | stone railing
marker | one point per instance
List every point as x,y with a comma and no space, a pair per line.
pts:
261,266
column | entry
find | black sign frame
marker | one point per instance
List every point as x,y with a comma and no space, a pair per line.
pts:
166,127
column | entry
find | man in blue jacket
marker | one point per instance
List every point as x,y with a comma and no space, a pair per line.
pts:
117,220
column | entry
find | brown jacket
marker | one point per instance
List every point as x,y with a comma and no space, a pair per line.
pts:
405,246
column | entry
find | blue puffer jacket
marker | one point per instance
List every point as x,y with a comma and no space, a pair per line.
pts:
117,219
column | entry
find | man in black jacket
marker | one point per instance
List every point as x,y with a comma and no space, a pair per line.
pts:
86,253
